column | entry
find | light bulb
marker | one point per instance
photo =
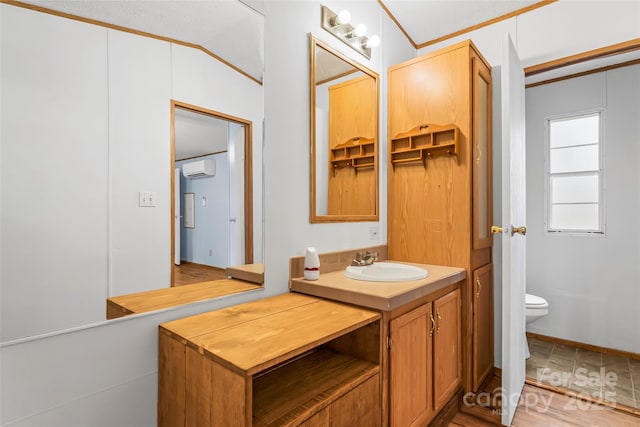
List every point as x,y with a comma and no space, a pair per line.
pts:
341,18
360,30
373,41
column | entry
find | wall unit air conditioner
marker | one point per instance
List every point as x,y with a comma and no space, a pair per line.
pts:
206,167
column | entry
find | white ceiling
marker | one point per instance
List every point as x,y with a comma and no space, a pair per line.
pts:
198,134
329,66
205,23
426,20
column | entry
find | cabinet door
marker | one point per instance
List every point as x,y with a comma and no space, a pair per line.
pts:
482,324
411,377
482,165
447,348
359,407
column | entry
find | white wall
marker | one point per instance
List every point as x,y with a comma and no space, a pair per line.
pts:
208,242
86,127
553,31
106,375
101,376
139,160
54,173
591,283
287,128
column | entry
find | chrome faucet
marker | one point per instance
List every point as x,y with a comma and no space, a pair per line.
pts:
367,258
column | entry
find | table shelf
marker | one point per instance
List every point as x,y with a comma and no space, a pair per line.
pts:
424,142
305,386
357,152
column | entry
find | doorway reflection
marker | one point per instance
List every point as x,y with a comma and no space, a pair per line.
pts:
212,195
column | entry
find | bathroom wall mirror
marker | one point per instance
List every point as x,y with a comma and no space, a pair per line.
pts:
343,137
88,164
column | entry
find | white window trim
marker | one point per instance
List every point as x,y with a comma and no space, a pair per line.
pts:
547,177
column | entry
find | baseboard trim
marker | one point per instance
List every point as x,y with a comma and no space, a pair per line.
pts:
222,270
582,396
604,350
449,411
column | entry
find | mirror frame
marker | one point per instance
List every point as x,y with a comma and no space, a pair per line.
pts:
313,216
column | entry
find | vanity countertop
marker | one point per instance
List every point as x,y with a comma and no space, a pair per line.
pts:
385,296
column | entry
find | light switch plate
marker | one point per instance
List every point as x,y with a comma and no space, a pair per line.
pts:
147,199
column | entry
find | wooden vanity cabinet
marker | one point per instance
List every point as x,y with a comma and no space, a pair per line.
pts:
411,368
425,360
289,360
447,349
439,211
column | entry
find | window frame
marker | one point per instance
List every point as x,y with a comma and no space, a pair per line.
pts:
601,230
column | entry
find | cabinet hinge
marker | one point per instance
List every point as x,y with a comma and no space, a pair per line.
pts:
388,342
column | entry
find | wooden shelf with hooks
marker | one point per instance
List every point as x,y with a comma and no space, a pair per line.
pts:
357,152
423,142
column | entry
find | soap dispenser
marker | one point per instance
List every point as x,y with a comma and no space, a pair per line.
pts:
311,264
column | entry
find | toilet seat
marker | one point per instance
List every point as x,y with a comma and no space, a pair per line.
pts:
534,301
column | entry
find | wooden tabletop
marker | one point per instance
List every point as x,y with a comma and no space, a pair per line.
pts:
250,272
384,296
252,337
170,297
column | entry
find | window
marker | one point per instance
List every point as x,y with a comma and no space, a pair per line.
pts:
574,174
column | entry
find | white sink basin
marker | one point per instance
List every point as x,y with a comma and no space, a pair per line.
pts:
386,272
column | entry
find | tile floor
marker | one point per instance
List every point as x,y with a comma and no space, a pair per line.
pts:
598,375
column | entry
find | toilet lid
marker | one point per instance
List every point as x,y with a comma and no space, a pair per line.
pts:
536,301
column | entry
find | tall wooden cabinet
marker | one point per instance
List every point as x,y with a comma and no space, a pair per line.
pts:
440,202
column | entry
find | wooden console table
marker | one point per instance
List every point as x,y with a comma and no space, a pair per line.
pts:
286,360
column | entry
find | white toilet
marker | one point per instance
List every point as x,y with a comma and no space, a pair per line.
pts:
536,307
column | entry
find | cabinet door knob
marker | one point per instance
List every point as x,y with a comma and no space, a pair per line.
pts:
439,320
479,287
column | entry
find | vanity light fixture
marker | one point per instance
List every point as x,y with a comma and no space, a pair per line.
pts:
354,36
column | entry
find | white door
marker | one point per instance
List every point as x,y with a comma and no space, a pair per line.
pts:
176,218
513,245
236,193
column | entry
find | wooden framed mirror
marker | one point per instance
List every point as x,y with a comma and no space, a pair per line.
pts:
344,153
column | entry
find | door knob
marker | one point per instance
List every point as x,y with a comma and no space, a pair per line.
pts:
520,230
495,229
